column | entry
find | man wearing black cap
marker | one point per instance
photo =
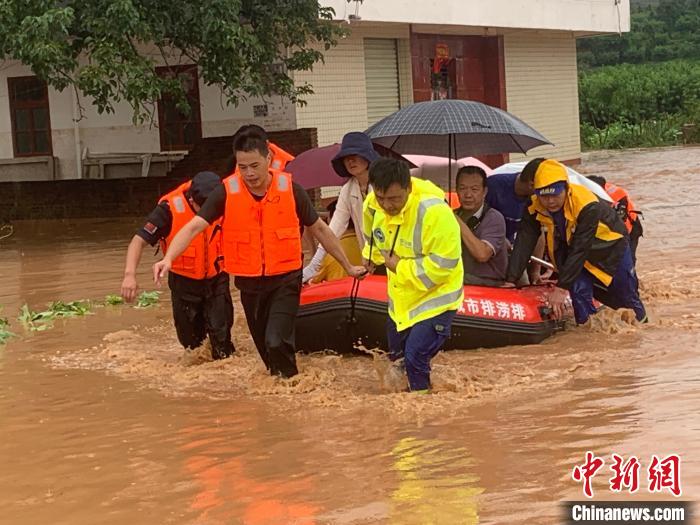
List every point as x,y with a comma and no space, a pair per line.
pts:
199,288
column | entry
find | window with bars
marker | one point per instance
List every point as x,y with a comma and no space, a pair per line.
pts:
178,130
29,110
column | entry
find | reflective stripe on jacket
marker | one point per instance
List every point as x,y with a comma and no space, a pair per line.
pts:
202,258
426,237
261,237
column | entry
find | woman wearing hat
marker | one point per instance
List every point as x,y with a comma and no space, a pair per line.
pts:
352,162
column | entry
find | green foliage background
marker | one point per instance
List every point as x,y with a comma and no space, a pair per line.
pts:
643,88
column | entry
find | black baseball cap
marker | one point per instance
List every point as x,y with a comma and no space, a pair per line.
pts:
202,185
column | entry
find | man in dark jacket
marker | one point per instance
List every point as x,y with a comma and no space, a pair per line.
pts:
585,240
509,193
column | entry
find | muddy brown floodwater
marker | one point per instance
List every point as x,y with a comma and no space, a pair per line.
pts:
101,424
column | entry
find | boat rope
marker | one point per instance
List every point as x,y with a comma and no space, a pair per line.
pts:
353,299
6,228
356,282
355,290
393,243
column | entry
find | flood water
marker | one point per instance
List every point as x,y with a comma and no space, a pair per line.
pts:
100,423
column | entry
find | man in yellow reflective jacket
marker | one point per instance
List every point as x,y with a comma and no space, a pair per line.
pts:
586,241
408,227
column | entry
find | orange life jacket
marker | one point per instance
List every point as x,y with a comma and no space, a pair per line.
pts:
623,204
261,237
280,158
202,258
453,200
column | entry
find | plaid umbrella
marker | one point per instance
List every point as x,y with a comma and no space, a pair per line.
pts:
454,129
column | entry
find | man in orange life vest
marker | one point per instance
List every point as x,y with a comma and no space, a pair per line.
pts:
200,291
625,210
263,214
280,158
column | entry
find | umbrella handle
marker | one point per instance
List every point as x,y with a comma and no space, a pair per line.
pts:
449,167
451,149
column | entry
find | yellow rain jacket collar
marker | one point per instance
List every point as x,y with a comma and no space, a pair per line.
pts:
578,198
425,235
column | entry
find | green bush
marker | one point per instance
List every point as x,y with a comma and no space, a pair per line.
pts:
636,94
5,333
651,133
692,120
643,105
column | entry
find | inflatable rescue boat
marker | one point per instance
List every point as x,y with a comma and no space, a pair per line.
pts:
330,319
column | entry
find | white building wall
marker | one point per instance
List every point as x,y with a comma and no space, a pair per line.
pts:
219,120
542,89
116,132
339,102
585,16
16,70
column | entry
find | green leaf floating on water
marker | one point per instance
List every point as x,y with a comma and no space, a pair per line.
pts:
5,333
27,316
39,321
71,309
146,299
113,299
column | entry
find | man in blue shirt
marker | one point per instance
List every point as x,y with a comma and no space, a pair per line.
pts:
510,194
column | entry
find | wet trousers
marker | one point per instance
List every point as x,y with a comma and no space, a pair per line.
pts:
635,234
623,291
271,310
418,345
203,308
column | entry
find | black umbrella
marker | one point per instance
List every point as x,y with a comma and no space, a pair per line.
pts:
454,129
